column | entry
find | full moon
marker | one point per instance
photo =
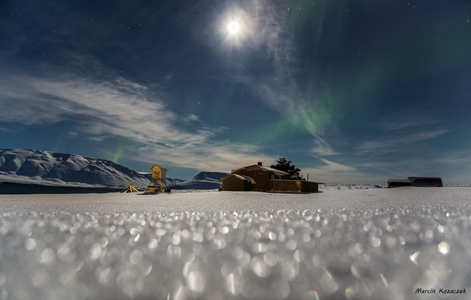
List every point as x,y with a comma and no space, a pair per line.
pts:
233,27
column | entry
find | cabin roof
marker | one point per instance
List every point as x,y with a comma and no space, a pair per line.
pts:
159,166
246,178
399,180
241,177
262,168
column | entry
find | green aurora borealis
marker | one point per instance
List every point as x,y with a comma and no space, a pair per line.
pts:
350,91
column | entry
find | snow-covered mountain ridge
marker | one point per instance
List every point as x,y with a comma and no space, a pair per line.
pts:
58,169
210,176
50,168
202,181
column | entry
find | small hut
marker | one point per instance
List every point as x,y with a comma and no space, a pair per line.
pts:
426,181
416,181
398,182
158,181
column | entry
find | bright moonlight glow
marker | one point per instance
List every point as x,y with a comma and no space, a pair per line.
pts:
233,27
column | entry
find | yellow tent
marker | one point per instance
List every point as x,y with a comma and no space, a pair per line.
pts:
130,189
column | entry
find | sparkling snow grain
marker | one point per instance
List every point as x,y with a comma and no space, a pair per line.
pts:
378,244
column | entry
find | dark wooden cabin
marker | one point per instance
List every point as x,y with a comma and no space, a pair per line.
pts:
264,179
416,181
398,182
426,181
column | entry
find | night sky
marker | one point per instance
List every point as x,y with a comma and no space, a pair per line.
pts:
351,91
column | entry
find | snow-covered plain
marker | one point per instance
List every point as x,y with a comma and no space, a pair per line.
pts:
337,187
345,244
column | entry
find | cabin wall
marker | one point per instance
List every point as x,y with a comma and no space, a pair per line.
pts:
281,185
416,181
262,179
233,183
156,173
426,182
392,184
309,187
265,181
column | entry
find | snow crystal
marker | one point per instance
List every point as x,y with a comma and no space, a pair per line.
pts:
331,245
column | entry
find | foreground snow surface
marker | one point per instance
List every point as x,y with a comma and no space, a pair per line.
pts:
357,244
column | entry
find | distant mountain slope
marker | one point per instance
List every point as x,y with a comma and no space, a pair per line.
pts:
49,168
57,169
202,181
210,176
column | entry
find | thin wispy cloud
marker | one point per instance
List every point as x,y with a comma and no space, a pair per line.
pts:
457,158
120,108
72,134
323,148
214,156
394,144
329,171
332,172
395,123
97,139
336,167
192,117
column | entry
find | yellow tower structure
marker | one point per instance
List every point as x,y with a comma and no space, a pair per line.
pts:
158,180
